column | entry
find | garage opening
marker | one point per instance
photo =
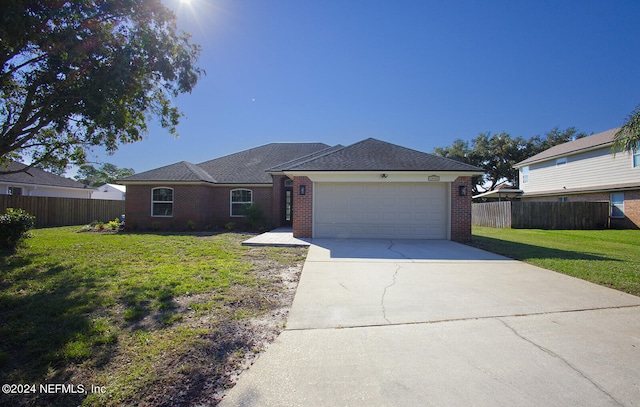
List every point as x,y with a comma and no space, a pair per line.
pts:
381,210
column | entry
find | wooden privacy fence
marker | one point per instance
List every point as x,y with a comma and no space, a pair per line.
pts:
51,211
541,215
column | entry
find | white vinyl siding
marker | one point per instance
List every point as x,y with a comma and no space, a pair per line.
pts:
379,210
584,170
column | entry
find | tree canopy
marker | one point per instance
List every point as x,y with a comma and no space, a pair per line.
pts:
82,74
498,153
628,137
105,174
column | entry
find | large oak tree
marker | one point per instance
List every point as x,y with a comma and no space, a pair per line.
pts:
81,74
498,153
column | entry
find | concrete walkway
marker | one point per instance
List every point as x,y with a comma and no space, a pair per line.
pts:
281,237
435,323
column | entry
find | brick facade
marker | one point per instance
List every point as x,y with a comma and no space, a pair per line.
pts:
303,208
205,205
631,206
461,210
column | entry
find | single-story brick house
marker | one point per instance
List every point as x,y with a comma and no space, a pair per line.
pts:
370,189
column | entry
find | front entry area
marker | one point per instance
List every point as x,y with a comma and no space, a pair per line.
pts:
287,200
411,210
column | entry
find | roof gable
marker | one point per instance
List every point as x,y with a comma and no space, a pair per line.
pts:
572,147
181,171
36,176
377,155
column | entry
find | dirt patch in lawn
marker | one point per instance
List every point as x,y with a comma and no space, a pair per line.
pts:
145,320
231,335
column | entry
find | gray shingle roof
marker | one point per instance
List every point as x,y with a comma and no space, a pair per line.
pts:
181,171
586,143
253,166
250,166
36,176
245,167
376,155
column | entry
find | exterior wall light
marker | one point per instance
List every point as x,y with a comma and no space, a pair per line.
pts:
303,189
462,190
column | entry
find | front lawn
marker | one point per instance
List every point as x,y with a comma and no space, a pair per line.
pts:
606,257
137,319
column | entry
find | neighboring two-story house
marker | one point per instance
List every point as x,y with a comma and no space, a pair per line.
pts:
586,169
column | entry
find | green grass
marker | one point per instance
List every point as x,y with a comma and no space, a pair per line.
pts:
606,257
120,310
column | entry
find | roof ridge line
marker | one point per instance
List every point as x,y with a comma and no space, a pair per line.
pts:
309,157
199,172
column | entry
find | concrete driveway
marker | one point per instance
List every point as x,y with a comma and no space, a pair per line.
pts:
436,323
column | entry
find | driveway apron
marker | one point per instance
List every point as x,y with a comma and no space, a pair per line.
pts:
436,323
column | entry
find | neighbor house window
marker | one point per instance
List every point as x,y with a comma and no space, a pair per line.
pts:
563,199
617,204
162,202
636,159
561,161
525,174
240,199
14,191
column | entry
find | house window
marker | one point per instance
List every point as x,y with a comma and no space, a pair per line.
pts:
561,161
616,204
525,174
563,199
636,159
14,191
162,202
240,199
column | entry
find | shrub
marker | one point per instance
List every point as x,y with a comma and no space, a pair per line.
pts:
191,225
229,225
14,226
254,216
115,224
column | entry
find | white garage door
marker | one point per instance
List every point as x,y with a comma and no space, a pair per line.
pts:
379,210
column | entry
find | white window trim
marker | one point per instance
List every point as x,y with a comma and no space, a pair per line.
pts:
231,202
525,174
619,206
164,202
635,155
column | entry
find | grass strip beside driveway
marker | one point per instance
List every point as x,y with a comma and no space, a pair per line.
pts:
151,319
606,257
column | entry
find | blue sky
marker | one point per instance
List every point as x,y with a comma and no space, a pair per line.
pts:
416,73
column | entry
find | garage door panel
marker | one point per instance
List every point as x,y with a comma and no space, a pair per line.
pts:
402,210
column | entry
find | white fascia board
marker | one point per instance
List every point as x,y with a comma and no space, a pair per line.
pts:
381,176
36,186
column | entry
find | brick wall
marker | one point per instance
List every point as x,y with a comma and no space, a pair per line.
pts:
303,208
631,206
189,204
208,206
461,210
